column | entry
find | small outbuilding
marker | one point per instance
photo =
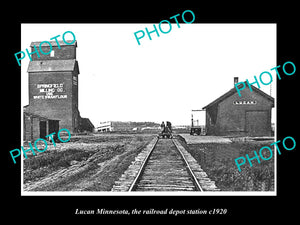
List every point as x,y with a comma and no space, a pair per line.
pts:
36,126
86,125
246,115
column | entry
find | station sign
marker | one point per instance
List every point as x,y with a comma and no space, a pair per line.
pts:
245,102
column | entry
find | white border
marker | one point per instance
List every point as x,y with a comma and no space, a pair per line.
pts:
217,193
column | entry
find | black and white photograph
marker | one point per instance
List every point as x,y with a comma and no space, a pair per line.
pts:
147,111
170,115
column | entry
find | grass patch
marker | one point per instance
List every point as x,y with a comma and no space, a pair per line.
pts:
217,160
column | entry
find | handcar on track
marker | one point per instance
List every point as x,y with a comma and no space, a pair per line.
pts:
166,130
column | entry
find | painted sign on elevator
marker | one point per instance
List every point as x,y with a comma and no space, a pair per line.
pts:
47,91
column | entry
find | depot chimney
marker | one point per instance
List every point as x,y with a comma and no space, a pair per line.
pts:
236,80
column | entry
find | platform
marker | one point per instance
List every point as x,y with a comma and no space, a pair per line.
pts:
190,139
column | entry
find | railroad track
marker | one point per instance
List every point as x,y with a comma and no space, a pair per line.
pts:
164,165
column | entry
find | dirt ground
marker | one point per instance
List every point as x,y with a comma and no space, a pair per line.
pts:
86,163
94,162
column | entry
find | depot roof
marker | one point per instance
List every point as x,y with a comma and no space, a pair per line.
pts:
233,91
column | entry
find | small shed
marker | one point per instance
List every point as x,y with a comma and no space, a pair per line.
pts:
36,126
86,125
234,115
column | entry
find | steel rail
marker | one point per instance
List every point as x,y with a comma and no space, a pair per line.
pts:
190,171
142,167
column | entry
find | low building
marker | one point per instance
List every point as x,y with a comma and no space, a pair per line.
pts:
36,126
234,115
104,127
86,125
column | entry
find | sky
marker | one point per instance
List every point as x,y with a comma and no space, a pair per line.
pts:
163,78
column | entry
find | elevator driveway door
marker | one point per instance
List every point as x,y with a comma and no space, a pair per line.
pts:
43,129
257,123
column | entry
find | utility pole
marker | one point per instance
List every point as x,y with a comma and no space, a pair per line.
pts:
196,129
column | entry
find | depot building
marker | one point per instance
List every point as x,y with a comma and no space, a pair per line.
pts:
234,115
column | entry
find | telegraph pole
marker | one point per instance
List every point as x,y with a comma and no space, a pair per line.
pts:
196,129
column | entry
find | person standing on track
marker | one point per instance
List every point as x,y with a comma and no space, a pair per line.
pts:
162,126
169,125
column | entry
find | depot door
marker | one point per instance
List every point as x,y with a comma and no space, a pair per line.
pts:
257,123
